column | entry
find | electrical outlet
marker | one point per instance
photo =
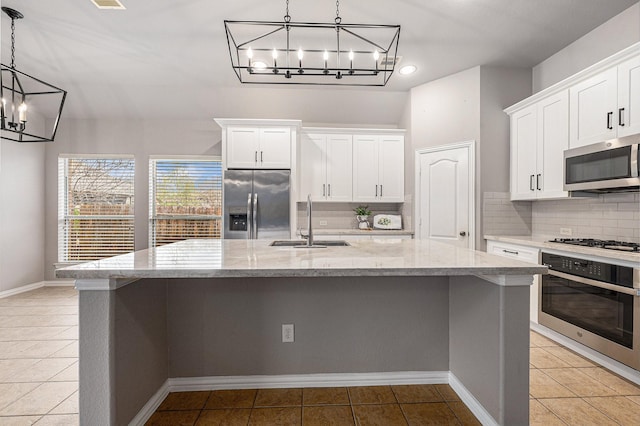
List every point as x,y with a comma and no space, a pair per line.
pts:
287,333
565,231
323,223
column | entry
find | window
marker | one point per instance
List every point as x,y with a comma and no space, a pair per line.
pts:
185,199
95,207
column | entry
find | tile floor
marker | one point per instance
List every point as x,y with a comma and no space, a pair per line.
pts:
39,384
39,358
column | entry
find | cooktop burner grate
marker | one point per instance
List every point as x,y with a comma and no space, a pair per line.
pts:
604,244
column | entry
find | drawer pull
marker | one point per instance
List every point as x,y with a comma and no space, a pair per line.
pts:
510,251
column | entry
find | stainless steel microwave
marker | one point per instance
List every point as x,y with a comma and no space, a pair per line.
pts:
610,166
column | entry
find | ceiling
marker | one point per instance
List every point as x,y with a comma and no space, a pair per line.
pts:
169,58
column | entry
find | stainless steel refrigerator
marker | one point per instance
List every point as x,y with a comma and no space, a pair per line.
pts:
256,204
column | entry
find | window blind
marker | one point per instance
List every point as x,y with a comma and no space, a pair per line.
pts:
95,207
185,199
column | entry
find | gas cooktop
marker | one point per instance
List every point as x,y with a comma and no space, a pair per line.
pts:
604,244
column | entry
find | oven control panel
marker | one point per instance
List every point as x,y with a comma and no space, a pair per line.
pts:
599,271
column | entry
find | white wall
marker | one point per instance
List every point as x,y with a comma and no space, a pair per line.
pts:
141,138
614,35
22,195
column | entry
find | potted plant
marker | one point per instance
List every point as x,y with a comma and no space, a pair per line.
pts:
362,214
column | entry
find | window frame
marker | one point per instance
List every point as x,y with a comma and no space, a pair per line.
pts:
153,160
63,199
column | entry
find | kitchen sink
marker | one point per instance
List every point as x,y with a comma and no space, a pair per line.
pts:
316,243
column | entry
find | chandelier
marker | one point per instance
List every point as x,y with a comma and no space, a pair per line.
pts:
26,102
312,53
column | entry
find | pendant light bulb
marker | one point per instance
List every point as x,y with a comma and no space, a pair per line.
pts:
300,54
274,54
376,55
351,55
22,112
249,53
325,55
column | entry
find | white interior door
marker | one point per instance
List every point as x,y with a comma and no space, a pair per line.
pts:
445,194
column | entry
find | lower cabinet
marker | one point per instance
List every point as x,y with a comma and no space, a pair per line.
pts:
524,254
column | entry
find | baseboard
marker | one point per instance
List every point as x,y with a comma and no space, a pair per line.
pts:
595,356
21,289
151,406
60,283
471,402
191,384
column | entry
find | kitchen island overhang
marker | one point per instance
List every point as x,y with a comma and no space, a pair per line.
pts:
207,313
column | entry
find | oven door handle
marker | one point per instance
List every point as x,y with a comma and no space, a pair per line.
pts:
587,281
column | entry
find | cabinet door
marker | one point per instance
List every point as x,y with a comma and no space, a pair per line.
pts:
242,147
553,139
391,169
339,156
275,148
628,114
312,168
365,168
593,109
523,153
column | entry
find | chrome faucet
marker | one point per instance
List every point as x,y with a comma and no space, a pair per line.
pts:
309,227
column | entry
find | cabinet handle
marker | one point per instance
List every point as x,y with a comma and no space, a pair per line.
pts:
255,157
261,160
329,190
621,117
538,182
510,251
609,116
376,190
323,188
531,182
380,190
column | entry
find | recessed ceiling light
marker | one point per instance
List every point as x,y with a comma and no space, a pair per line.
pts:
408,69
108,4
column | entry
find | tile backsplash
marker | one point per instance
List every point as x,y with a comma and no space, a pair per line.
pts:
341,215
501,216
607,216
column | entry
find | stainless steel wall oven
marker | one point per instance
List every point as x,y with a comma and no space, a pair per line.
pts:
595,303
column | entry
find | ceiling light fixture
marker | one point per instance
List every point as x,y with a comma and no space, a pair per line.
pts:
408,69
24,96
312,53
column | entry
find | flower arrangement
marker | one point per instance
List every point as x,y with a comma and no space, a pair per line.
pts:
362,210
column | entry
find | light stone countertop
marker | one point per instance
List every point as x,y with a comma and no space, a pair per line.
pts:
254,258
354,231
543,243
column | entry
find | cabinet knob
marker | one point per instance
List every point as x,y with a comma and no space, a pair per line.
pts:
462,233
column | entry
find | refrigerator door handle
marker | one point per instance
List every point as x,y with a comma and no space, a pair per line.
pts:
255,216
249,231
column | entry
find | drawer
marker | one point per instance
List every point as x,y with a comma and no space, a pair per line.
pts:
513,251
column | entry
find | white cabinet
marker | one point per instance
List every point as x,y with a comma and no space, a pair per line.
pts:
629,97
258,148
539,135
525,254
606,105
325,167
378,168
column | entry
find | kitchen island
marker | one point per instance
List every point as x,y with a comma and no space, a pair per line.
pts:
207,314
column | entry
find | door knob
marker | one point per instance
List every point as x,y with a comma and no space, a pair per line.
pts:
462,233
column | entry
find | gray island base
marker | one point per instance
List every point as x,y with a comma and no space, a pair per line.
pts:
207,314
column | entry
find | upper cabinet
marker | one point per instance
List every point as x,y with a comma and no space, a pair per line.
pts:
606,105
325,166
344,165
539,135
599,103
257,144
378,168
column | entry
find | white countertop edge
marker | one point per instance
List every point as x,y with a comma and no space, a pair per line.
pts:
105,281
623,258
